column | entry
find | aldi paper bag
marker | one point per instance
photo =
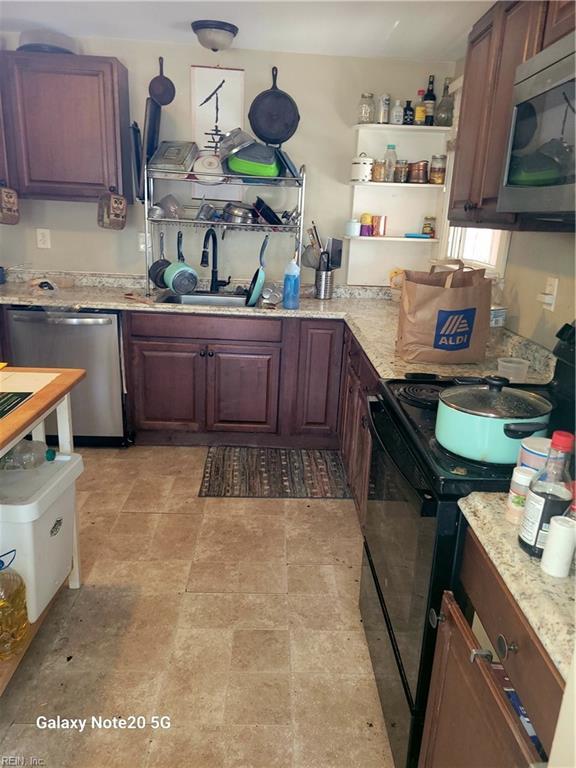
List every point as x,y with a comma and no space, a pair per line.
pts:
444,317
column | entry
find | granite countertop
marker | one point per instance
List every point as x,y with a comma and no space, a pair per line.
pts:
372,320
549,604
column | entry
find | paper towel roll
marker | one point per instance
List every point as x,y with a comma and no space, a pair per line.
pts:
559,547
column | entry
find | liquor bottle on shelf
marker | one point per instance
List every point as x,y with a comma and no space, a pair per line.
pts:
430,101
408,116
550,494
420,109
445,110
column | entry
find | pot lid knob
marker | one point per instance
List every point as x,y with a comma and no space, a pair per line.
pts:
496,383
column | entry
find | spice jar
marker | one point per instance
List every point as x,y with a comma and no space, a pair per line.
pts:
437,169
429,226
401,172
379,170
366,108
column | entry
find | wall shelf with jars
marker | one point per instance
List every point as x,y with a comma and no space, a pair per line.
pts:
411,155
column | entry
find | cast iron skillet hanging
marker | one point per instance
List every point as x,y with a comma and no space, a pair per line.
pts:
161,88
274,115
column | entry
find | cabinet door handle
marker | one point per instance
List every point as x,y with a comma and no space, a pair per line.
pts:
470,206
435,618
364,422
210,353
481,654
202,353
505,648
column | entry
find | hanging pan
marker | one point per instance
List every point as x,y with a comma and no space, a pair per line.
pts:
273,114
161,88
259,277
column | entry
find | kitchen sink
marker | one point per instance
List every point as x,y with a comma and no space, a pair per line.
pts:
205,299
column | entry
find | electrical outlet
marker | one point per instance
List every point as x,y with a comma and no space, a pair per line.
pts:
43,238
141,242
548,297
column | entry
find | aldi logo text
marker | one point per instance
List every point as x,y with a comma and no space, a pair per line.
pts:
454,328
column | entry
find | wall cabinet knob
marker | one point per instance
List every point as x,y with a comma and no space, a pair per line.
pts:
202,353
480,653
210,353
505,648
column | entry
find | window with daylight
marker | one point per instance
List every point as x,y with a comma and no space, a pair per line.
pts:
479,247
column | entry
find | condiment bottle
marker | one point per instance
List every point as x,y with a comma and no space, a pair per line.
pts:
408,115
519,485
420,109
397,113
550,494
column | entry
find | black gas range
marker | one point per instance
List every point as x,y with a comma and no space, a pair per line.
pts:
411,532
414,402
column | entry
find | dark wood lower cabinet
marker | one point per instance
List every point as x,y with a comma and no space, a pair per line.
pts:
318,386
168,383
242,388
195,379
359,380
469,721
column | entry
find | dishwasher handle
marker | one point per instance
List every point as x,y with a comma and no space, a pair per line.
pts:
39,317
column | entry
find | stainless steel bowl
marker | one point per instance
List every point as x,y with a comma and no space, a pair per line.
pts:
239,213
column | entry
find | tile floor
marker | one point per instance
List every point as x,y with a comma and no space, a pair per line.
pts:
236,618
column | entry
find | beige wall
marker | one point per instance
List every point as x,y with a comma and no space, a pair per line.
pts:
326,90
533,256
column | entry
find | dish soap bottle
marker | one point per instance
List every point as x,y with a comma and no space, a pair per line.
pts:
13,615
550,494
291,294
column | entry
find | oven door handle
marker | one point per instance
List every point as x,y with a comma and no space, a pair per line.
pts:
424,496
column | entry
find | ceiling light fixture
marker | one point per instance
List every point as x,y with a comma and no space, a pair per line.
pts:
215,35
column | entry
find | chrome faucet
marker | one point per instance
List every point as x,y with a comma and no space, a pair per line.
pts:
210,236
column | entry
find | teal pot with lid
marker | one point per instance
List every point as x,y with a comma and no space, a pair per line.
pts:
487,422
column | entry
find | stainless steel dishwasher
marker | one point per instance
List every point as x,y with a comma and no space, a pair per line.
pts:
49,338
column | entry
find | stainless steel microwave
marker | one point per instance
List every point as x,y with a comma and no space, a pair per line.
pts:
538,176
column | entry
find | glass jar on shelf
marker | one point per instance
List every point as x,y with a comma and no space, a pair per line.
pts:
401,172
429,226
366,108
445,109
379,171
437,174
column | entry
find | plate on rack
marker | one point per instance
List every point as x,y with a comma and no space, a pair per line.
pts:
207,169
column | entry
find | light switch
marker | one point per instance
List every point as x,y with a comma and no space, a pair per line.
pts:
43,238
548,297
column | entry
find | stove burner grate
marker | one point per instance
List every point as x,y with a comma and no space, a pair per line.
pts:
421,395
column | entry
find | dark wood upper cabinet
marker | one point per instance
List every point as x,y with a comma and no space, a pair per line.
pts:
560,21
318,387
507,35
242,388
469,721
67,125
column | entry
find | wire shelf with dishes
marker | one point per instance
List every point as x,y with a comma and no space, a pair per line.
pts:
213,211
208,178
